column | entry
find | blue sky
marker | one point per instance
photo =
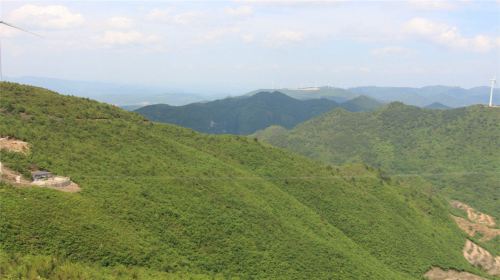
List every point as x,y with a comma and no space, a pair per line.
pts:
236,46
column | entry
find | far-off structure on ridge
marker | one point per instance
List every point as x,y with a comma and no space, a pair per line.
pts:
493,82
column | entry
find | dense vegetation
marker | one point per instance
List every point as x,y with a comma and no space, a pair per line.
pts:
242,115
457,149
361,104
169,202
245,115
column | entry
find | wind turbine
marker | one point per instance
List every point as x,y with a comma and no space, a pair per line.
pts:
493,82
13,27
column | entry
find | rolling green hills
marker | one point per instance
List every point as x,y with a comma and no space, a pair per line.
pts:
247,114
165,202
241,115
457,149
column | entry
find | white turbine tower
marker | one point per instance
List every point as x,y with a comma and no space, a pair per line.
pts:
13,27
493,82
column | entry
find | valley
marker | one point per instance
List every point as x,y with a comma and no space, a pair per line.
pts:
171,202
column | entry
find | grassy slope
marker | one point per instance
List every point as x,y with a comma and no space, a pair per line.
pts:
457,149
174,200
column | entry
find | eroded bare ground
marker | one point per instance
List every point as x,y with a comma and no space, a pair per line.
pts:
437,273
16,179
473,215
472,229
13,145
478,256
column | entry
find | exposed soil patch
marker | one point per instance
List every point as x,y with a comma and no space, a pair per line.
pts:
13,145
477,256
472,229
437,273
473,215
58,183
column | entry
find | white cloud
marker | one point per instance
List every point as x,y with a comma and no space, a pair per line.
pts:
449,36
52,16
122,38
391,50
120,22
289,36
248,38
239,11
433,4
218,34
167,16
185,18
7,32
159,15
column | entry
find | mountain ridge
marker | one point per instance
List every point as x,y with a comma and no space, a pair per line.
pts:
168,199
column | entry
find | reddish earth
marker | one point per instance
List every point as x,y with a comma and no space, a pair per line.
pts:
472,229
473,215
13,145
477,256
437,273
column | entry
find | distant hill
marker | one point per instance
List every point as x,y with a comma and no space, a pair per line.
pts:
241,115
437,106
457,149
113,93
163,202
361,104
337,94
448,96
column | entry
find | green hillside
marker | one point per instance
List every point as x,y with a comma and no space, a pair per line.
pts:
160,201
241,115
457,149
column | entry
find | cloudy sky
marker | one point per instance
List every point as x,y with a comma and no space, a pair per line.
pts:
236,46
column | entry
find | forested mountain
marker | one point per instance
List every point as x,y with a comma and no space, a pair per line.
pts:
361,104
437,106
458,149
241,115
337,94
159,201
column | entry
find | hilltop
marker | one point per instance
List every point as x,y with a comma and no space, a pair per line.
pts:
333,93
457,149
165,202
247,114
241,115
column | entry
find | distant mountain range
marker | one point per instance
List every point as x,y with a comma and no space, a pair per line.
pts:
134,96
112,93
247,114
447,96
337,94
457,149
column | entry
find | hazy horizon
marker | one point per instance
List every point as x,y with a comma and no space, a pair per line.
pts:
232,47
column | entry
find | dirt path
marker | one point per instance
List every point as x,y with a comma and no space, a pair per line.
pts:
437,273
13,145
